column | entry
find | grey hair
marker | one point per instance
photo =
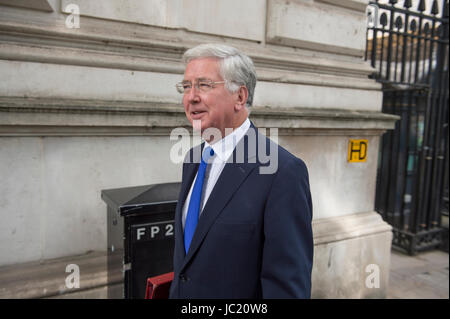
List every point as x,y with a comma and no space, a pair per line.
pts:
236,68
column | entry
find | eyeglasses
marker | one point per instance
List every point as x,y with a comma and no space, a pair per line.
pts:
202,85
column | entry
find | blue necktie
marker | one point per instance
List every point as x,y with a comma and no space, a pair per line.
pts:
196,196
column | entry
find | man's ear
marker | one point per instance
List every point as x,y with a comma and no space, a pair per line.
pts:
242,96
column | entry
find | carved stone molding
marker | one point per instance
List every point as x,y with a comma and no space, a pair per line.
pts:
358,5
42,5
115,44
46,117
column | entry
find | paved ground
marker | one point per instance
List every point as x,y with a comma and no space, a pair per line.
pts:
424,276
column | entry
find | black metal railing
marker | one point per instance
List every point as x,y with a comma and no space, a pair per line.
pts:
408,47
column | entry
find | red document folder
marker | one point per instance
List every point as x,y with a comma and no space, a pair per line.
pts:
158,286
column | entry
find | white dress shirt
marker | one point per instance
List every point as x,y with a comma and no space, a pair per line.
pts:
223,149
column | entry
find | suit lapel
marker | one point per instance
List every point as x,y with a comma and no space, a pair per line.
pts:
228,183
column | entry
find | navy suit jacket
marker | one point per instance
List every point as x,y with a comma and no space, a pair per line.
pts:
254,236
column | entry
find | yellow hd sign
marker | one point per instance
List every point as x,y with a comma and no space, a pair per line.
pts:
357,150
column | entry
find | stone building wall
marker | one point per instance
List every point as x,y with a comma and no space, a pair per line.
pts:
91,107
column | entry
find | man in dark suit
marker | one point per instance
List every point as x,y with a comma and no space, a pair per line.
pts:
242,224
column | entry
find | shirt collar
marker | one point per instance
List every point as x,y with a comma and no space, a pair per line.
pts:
225,147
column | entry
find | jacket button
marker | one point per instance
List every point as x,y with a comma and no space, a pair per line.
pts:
183,278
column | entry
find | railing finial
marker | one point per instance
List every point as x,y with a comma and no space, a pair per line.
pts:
435,8
421,7
383,19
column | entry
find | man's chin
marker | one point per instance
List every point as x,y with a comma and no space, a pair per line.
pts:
197,125
202,125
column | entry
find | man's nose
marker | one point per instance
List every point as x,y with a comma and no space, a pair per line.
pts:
193,96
